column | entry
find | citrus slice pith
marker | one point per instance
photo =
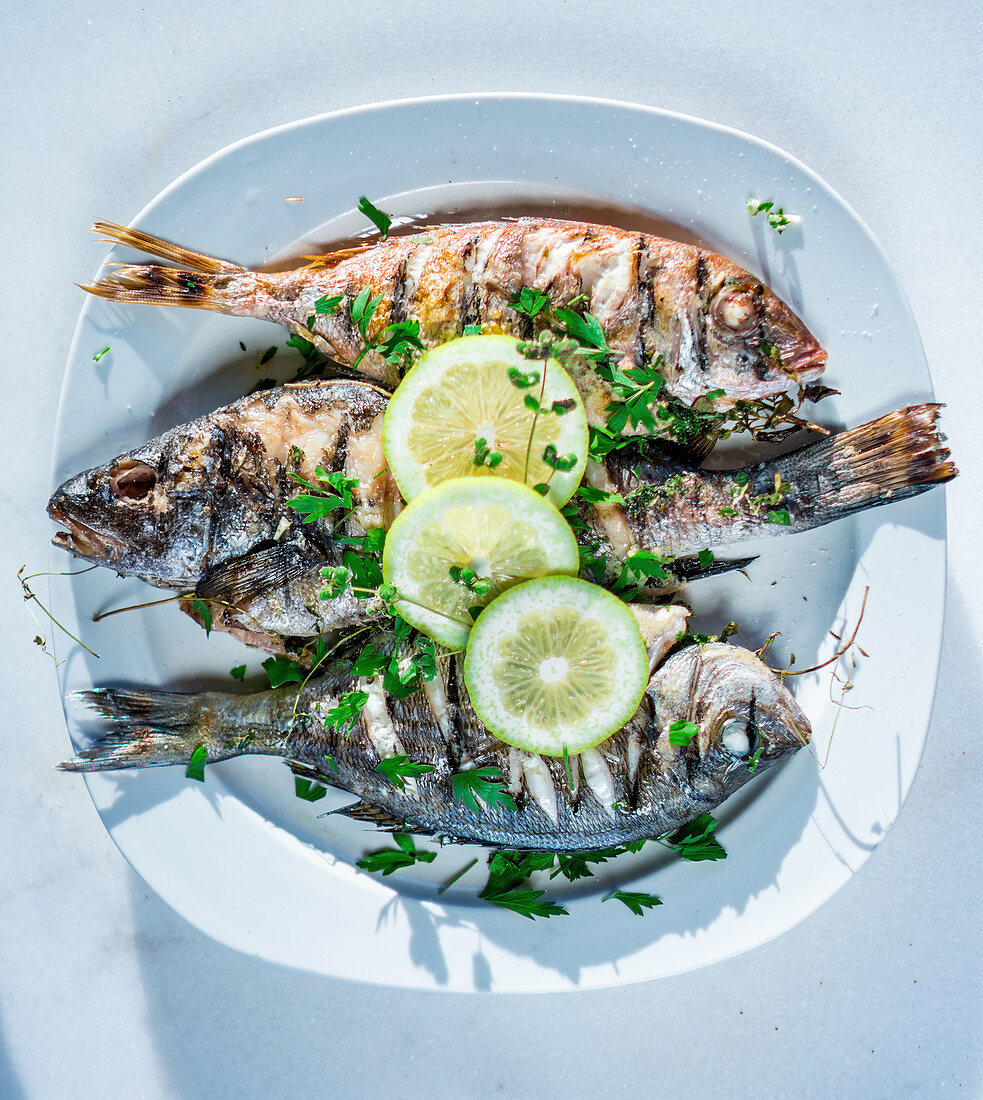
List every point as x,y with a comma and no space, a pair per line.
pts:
556,665
458,546
459,409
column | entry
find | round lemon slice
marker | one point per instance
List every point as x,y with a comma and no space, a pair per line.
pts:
556,665
469,409
456,547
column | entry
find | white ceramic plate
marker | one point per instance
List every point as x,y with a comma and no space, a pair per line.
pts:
259,870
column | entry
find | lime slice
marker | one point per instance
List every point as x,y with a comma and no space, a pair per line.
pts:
462,392
556,665
499,531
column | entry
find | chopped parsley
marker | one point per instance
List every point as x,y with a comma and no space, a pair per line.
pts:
238,673
381,221
398,768
777,218
333,491
387,860
99,354
696,841
636,901
196,765
681,732
344,716
283,670
481,784
199,607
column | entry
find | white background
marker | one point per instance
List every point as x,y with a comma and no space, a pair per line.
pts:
105,991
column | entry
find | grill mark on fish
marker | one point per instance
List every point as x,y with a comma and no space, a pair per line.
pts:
397,308
760,364
700,317
341,446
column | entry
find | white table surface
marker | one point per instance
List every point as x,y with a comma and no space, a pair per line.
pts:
104,991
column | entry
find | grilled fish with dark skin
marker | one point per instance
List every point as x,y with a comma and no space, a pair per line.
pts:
634,786
203,509
715,326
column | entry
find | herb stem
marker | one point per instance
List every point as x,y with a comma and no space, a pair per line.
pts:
29,595
99,616
460,874
535,418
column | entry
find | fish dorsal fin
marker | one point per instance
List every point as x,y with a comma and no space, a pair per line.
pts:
260,570
363,811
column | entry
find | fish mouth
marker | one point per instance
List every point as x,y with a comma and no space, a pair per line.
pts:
806,365
84,541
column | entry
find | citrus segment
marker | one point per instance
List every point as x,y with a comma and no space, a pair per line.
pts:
461,413
556,665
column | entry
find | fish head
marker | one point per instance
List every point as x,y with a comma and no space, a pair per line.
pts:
753,345
147,513
748,721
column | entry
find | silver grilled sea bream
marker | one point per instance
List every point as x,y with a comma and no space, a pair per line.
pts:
402,758
209,508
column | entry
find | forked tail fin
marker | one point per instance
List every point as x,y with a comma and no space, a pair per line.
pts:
147,728
899,455
195,285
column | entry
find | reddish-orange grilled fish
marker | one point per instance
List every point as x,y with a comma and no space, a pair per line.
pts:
716,327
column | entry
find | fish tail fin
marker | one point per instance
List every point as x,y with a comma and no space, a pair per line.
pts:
146,728
159,286
198,284
899,455
164,250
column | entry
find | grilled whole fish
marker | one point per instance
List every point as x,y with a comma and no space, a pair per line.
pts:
636,785
716,326
203,509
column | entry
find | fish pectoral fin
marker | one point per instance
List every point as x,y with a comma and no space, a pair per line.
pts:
363,811
254,573
692,569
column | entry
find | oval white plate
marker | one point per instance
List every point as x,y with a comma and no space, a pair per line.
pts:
259,870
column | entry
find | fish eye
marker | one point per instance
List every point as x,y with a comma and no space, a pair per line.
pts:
132,482
734,308
738,736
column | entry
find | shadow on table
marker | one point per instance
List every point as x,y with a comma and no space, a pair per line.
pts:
10,1086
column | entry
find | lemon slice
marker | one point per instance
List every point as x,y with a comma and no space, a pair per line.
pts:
458,546
459,413
556,665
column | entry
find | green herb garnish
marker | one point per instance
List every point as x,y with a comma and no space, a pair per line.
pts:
696,841
238,673
381,221
345,715
201,608
636,901
196,765
484,784
283,670
777,218
388,860
99,354
399,768
333,491
682,732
